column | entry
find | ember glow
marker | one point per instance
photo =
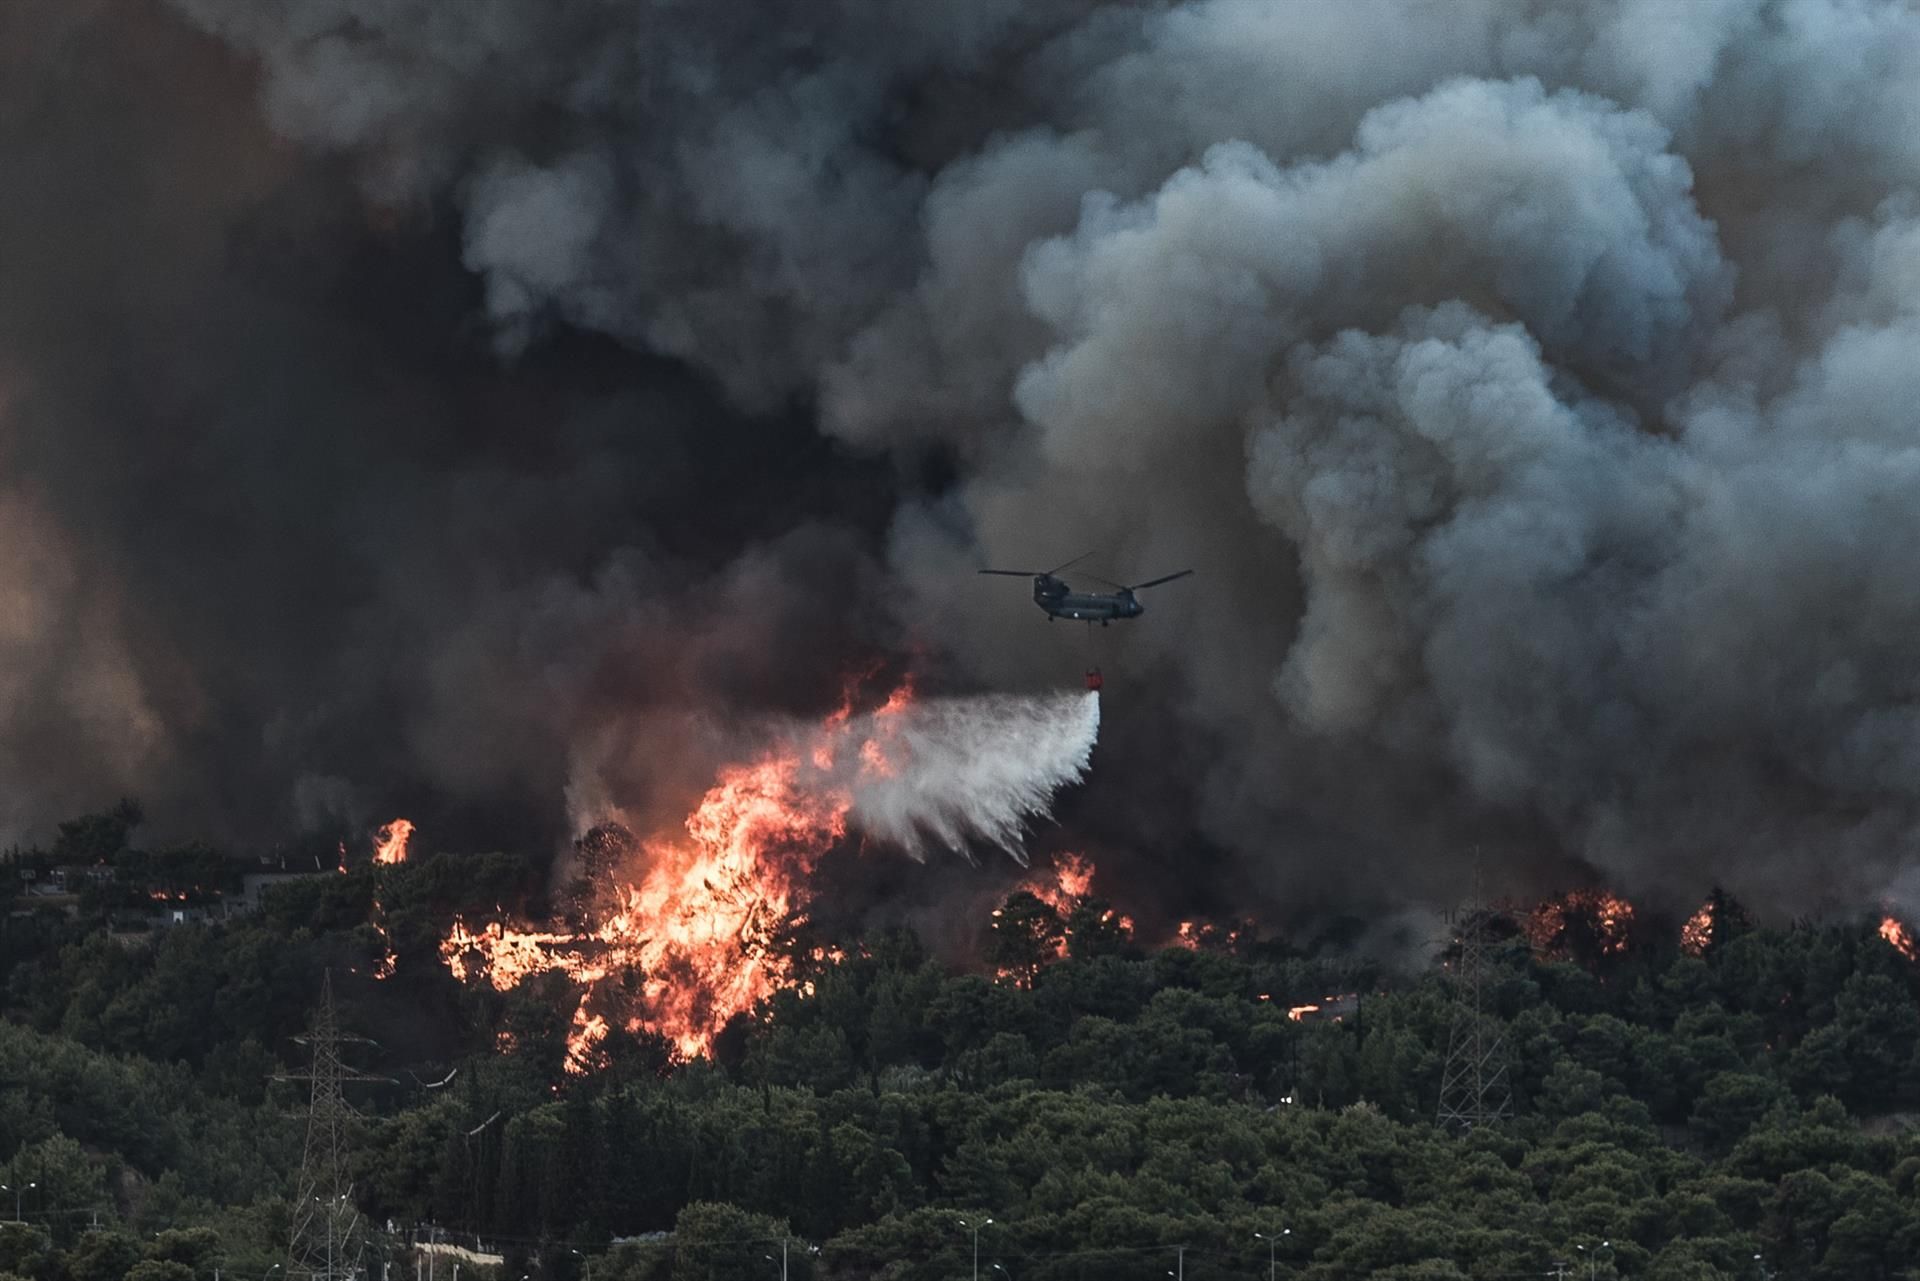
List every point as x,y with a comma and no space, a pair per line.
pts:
1195,936
389,959
391,844
1897,936
693,925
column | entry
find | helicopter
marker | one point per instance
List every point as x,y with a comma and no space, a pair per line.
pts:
1053,595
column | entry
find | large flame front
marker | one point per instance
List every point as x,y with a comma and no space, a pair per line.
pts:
700,926
693,925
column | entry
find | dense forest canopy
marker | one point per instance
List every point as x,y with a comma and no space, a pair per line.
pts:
1118,1111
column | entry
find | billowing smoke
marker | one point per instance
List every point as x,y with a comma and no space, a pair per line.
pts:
953,771
442,388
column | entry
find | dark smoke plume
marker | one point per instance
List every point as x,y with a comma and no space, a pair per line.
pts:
402,397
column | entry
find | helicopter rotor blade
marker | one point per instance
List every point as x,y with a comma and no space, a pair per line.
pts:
1070,564
1155,582
1016,573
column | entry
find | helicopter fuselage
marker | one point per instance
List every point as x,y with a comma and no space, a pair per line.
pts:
1051,595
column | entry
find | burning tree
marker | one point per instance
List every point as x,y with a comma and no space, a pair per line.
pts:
1582,925
1717,922
1025,937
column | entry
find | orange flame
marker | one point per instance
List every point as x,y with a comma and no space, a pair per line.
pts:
1195,936
1611,917
392,844
1897,937
1063,885
583,1041
1332,1004
699,932
389,959
1697,933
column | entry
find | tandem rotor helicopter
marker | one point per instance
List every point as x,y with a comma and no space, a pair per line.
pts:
1058,600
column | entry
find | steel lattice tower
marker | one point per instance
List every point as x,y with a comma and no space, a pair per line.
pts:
1473,1084
327,1233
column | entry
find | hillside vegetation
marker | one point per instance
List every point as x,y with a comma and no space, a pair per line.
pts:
1118,1113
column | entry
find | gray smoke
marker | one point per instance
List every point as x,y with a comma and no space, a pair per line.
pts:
1527,380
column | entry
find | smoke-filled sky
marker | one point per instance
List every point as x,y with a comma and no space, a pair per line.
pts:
416,402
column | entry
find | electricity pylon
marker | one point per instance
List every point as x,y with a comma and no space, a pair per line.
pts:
1473,1084
327,1233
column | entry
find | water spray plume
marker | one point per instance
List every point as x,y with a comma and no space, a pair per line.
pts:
698,920
960,770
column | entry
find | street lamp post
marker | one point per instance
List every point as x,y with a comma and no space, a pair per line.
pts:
975,1228
1760,1262
1273,1244
17,1191
1593,1257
